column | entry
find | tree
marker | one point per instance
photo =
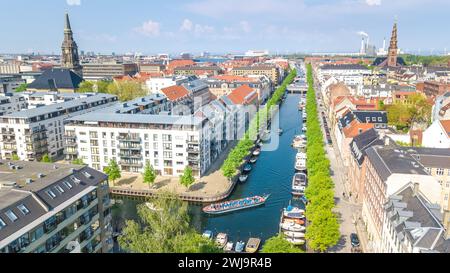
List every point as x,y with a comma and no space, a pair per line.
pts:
86,87
113,171
22,87
15,157
279,244
187,179
78,161
126,90
166,229
102,86
323,232
149,174
46,159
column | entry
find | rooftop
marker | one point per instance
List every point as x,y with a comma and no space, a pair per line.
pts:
57,78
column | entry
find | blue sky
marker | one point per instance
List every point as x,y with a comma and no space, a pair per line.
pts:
217,26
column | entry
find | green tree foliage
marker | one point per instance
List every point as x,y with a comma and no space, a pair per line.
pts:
86,87
46,159
102,86
403,115
113,171
15,157
323,230
78,161
126,90
22,87
279,244
257,124
149,174
164,230
426,60
187,179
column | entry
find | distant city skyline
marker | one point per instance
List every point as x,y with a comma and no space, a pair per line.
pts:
232,26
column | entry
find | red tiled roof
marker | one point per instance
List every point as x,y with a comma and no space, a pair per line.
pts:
446,125
243,95
356,128
175,92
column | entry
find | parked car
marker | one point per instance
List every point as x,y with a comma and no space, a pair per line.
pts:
354,240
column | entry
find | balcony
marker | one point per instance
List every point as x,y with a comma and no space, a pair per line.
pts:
129,147
129,139
194,167
70,144
195,150
7,133
131,164
127,155
70,152
192,141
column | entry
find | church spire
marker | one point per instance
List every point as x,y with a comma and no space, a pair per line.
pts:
393,47
69,56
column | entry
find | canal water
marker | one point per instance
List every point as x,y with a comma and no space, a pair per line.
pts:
271,174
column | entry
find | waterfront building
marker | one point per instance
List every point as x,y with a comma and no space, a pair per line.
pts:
271,71
32,133
224,84
53,208
387,170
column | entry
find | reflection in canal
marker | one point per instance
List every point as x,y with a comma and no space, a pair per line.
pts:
272,174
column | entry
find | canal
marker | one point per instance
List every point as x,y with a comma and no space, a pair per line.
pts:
271,174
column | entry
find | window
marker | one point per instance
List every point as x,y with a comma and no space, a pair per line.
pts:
440,172
11,215
23,209
2,223
51,194
67,184
380,119
59,189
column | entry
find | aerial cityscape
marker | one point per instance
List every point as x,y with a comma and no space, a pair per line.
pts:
225,134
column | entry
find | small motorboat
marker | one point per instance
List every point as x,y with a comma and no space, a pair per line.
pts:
304,200
300,165
301,156
257,152
300,222
286,226
294,213
221,240
208,234
280,132
253,159
304,129
295,241
239,247
303,136
293,234
299,183
253,245
229,246
248,167
243,178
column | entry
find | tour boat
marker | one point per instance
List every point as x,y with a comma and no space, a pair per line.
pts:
235,205
229,247
286,226
293,234
221,240
299,182
239,247
294,213
247,167
243,178
257,152
253,245
300,165
208,234
295,241
253,159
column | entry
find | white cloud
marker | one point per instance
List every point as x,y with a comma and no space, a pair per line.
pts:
187,25
149,28
373,2
203,29
73,2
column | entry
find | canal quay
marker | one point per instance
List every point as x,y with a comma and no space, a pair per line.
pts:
271,174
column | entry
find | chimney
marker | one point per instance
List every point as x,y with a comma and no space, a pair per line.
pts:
446,223
416,189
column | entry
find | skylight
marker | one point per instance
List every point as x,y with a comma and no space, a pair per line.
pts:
11,215
23,209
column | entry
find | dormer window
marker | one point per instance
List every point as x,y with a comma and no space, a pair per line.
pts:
13,217
23,209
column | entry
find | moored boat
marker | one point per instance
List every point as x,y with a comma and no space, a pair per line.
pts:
294,213
229,246
235,205
289,226
280,132
304,129
299,183
300,165
301,156
243,178
252,245
221,240
208,234
239,247
253,159
295,241
257,152
293,234
247,167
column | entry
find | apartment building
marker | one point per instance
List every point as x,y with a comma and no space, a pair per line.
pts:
349,74
271,71
412,224
224,84
32,133
108,70
11,103
155,85
53,208
434,88
387,170
198,70
437,135
9,84
154,68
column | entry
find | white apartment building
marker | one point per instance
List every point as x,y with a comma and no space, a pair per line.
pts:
155,85
11,103
437,135
351,75
32,133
